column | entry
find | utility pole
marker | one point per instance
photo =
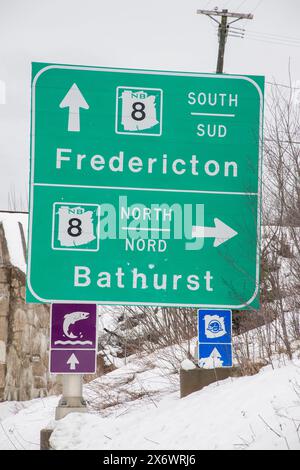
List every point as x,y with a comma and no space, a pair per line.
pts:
223,27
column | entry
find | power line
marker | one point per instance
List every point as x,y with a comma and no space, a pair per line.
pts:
241,4
262,33
252,11
207,3
282,85
264,37
241,33
268,36
257,6
291,42
281,40
282,141
273,42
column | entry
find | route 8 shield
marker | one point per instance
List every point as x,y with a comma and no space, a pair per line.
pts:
139,111
75,226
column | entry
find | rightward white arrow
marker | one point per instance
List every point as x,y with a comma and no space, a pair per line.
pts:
220,232
72,361
74,100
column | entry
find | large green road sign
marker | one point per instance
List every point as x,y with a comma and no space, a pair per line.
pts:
145,187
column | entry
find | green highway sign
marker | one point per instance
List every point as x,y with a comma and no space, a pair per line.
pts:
145,187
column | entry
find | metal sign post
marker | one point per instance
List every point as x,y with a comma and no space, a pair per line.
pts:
72,399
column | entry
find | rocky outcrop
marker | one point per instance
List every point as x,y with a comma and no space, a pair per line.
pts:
24,328
27,373
24,337
4,308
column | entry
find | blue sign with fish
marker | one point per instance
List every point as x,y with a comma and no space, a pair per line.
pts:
73,338
215,338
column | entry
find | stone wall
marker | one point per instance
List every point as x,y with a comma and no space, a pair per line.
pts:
4,308
27,373
24,337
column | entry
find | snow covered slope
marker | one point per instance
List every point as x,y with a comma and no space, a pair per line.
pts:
257,412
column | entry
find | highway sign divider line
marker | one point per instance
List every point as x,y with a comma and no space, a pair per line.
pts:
70,349
167,190
212,114
206,342
147,229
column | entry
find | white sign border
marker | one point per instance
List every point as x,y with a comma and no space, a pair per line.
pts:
150,72
85,349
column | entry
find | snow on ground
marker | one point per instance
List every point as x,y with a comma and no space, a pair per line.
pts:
257,412
21,422
138,381
137,406
12,232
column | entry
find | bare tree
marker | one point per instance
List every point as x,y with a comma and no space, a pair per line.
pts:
147,329
282,202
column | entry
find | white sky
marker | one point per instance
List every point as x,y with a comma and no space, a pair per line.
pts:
160,34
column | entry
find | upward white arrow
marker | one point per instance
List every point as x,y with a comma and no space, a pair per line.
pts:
215,354
72,361
74,100
221,232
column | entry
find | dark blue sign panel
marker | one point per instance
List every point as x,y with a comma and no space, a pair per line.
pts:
212,356
215,338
